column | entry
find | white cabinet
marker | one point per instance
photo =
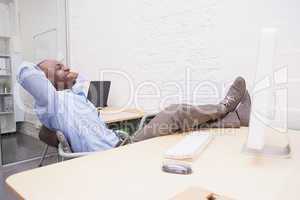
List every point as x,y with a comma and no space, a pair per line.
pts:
7,114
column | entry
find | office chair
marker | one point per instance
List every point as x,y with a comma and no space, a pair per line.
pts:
58,141
64,150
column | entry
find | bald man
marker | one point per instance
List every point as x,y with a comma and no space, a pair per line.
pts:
61,105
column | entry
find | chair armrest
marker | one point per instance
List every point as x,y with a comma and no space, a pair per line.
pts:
64,149
124,136
145,120
122,132
71,155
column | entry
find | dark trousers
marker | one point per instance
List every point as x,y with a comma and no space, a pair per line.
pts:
180,118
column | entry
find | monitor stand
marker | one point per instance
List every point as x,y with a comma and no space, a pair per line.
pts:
268,132
270,150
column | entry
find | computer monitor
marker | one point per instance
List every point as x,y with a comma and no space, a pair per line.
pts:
98,93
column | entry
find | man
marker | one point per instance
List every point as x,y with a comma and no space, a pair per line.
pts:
61,105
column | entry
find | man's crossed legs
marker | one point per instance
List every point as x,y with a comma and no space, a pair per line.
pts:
184,117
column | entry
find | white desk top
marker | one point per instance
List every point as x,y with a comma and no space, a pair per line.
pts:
114,114
134,172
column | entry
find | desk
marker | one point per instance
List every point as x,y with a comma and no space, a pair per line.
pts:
122,119
134,172
114,114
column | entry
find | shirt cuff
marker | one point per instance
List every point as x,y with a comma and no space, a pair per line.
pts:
26,69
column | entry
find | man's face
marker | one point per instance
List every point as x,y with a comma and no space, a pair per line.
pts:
59,74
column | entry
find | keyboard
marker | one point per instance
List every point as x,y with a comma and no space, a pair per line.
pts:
190,146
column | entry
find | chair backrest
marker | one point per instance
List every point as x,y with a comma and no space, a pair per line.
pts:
58,140
53,138
48,136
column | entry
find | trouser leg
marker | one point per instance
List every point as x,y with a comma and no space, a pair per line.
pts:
177,118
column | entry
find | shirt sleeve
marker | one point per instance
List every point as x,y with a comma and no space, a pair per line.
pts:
82,85
34,81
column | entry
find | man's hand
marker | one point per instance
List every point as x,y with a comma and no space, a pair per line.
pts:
69,81
72,76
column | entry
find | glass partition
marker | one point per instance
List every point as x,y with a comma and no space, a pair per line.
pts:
39,34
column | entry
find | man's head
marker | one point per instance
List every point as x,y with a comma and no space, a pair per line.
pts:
59,74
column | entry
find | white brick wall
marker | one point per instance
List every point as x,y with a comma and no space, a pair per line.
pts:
167,42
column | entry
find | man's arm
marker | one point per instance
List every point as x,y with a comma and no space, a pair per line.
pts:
35,82
82,85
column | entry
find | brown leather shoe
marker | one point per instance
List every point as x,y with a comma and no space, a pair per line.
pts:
234,94
243,110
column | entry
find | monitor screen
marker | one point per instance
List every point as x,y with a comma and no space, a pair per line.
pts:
98,93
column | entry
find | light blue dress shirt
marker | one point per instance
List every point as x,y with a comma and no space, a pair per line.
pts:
67,111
